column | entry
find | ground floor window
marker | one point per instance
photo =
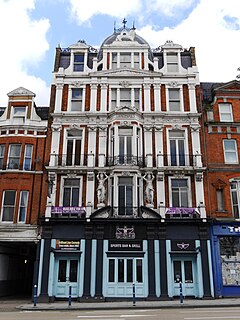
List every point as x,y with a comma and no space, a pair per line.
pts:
126,270
230,260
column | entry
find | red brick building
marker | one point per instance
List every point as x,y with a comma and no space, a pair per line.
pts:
221,143
23,128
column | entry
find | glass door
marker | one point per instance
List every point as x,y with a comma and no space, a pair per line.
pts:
122,274
67,275
183,271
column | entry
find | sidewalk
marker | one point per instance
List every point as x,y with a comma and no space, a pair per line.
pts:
63,305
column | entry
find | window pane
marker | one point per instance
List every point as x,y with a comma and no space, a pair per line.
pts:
75,197
177,271
73,270
66,197
23,206
139,270
8,205
14,156
9,197
120,270
220,203
76,104
184,198
111,270
129,270
78,62
28,157
225,111
2,151
175,198
62,269
188,271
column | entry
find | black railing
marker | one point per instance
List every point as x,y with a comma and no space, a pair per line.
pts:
125,212
181,160
125,160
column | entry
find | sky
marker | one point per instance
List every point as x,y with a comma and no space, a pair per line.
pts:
32,29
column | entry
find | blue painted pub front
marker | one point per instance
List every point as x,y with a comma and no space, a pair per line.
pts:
226,258
104,259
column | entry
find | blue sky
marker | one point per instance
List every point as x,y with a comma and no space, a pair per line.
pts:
32,29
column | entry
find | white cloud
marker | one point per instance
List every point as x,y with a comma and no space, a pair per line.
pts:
217,43
23,44
168,7
84,10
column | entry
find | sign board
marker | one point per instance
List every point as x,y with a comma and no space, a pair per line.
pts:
115,245
183,245
70,245
73,211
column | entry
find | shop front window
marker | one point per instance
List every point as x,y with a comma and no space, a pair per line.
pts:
125,270
230,260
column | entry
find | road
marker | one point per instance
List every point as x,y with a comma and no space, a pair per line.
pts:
136,314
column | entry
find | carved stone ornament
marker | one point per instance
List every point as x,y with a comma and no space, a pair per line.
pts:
199,176
72,175
125,232
74,126
179,174
59,86
173,84
104,85
56,127
124,84
77,84
177,127
195,128
160,176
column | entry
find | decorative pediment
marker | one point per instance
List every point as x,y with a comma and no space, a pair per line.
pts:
21,92
219,184
124,72
81,44
231,85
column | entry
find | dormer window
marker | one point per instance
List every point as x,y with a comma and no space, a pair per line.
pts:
19,112
225,112
172,62
78,65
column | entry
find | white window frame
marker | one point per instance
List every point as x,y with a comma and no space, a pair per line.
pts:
189,190
220,200
64,160
20,206
79,102
14,206
186,147
82,63
21,115
225,115
128,63
114,193
63,178
172,64
2,153
235,150
28,157
237,190
9,152
180,99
